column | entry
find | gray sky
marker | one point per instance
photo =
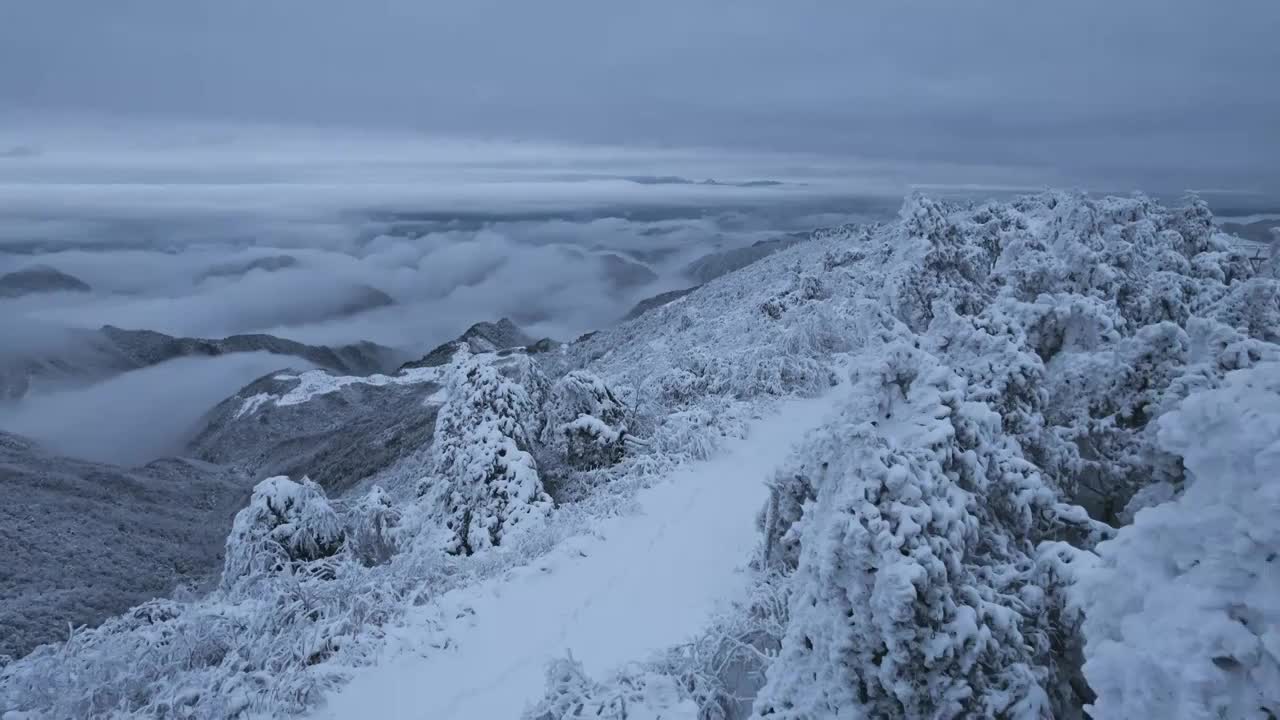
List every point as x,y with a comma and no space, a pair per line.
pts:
1162,94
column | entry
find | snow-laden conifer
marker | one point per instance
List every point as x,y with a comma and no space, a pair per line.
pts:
483,476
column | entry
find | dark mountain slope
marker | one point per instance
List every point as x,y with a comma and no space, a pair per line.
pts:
39,279
83,541
79,357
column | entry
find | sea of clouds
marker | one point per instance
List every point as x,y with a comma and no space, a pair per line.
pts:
336,236
208,232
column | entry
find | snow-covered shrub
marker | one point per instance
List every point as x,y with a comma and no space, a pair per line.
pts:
1253,307
261,649
992,352
285,523
584,422
1105,401
572,694
723,668
590,443
913,593
1213,350
805,288
484,479
949,260
1182,612
790,489
371,525
525,371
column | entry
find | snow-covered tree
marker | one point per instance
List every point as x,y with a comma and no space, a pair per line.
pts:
286,522
527,372
993,353
914,593
372,522
483,476
584,422
1182,612
1253,307
942,260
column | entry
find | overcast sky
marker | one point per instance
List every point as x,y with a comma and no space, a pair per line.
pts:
1164,94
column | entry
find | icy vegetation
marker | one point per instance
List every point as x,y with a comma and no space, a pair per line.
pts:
286,523
1182,613
482,476
1048,490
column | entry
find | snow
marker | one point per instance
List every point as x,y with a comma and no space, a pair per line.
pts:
483,480
318,382
641,583
284,521
251,404
1182,612
1016,361
313,383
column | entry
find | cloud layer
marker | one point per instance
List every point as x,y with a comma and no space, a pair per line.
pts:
331,237
1140,93
260,230
139,416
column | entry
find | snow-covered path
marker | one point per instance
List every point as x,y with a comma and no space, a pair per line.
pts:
642,583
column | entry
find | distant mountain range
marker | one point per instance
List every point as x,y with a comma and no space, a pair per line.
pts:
270,263
678,180
1260,231
39,279
716,264
85,356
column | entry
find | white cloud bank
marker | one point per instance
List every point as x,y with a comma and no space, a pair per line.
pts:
562,238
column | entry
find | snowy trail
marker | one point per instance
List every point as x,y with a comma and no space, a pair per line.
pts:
643,582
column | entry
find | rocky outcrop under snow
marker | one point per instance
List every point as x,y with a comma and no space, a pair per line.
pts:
479,338
337,429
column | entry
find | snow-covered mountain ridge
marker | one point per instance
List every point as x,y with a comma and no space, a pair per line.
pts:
928,553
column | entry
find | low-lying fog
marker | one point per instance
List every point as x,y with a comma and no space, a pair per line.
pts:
139,416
